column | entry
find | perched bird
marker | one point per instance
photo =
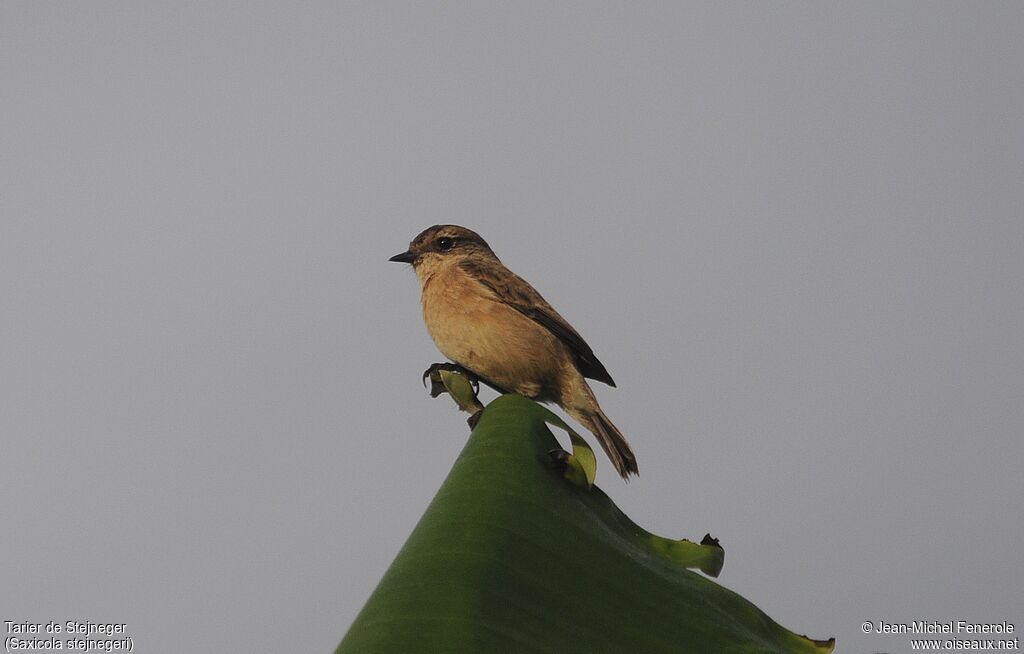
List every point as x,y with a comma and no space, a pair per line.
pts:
491,322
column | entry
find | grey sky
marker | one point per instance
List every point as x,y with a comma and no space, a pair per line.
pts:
792,232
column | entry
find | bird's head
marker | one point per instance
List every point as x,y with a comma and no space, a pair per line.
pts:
442,244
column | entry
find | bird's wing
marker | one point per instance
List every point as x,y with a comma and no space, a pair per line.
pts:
514,291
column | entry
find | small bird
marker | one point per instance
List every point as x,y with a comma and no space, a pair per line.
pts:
491,322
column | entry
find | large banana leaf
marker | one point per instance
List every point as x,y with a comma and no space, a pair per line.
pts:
512,556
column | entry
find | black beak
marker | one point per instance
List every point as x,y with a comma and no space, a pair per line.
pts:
405,257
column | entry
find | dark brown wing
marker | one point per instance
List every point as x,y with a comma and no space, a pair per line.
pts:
518,294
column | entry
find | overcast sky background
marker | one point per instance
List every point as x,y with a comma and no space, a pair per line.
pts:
793,232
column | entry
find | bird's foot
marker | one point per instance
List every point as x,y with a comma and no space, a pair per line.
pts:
433,373
458,382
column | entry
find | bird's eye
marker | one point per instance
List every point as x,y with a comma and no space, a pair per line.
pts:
445,243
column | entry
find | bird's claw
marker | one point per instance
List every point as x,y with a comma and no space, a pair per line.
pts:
462,385
437,386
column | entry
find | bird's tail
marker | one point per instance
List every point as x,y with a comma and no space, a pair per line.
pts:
579,402
613,442
615,445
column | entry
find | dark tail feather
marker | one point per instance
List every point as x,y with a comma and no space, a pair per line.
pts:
615,445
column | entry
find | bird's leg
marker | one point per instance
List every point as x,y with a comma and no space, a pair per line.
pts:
461,384
433,373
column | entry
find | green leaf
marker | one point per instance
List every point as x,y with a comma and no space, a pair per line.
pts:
583,463
511,557
461,390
